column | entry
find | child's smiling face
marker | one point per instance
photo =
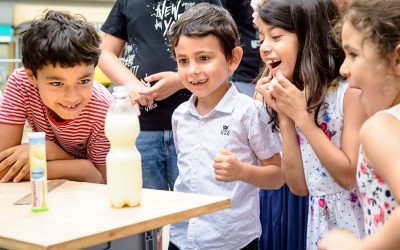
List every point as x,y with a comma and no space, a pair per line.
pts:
202,65
65,91
365,69
278,48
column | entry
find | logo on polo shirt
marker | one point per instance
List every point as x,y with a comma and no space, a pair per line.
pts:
225,130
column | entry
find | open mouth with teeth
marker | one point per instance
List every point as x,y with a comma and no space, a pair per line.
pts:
70,107
275,64
198,82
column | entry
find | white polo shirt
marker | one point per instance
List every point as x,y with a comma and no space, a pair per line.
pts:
239,124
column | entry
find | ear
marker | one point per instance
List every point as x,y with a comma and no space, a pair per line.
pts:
235,59
396,60
31,77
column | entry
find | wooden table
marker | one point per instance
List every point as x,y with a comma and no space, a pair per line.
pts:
80,215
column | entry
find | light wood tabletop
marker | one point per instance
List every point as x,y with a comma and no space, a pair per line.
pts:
80,215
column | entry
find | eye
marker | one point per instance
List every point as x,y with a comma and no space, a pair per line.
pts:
56,84
85,81
352,55
276,37
182,61
204,58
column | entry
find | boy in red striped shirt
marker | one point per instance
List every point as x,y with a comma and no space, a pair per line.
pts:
56,94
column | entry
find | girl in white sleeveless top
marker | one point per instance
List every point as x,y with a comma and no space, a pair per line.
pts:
371,41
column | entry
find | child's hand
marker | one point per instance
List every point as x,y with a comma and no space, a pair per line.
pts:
288,98
339,239
138,99
226,166
17,160
168,83
263,88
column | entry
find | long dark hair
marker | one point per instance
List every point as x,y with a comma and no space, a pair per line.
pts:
319,53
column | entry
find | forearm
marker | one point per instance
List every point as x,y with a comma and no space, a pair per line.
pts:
388,237
292,162
74,170
115,70
176,85
265,177
332,158
55,152
10,135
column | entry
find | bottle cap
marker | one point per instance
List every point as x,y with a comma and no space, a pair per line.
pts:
36,135
120,92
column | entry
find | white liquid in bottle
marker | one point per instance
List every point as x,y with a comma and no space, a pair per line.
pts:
124,168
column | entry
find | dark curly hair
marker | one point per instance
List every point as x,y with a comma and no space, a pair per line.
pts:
59,38
378,21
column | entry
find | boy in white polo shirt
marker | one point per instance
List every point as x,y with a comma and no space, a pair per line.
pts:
56,94
221,136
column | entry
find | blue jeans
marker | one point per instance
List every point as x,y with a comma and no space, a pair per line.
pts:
246,88
159,163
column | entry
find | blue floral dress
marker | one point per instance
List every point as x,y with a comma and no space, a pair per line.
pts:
330,205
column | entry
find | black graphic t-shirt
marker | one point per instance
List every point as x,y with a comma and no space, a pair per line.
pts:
249,67
144,25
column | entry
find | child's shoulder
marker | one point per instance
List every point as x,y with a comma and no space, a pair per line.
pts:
248,101
249,105
250,110
335,95
338,84
181,110
183,107
20,78
19,85
101,94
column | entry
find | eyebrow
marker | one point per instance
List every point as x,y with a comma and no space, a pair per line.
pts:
273,27
53,78
57,78
198,52
348,47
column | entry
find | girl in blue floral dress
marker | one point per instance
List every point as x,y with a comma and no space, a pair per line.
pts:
317,114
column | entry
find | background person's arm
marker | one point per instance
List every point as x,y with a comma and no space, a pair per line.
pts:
111,48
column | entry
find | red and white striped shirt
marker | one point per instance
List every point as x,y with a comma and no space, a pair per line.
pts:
82,137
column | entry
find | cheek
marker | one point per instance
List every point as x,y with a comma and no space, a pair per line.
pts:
47,96
86,92
293,55
220,72
89,96
181,73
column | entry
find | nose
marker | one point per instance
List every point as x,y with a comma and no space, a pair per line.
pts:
265,48
71,94
194,69
344,69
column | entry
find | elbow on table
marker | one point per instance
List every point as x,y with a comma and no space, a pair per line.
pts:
89,173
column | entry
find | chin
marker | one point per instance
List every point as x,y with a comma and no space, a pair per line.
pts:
70,116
